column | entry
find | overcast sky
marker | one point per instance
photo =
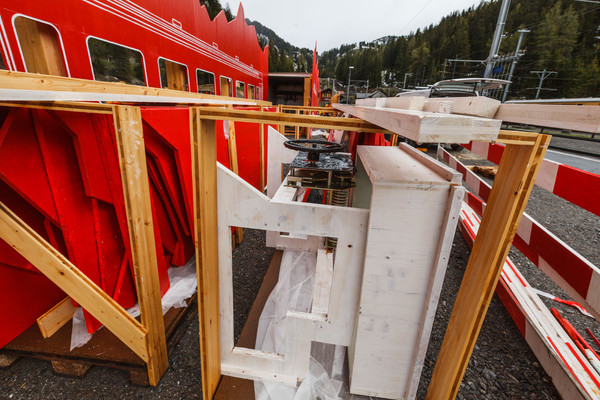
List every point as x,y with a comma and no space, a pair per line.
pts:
336,22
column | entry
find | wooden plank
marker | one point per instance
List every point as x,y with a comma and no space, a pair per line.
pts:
136,191
323,280
426,127
280,127
513,184
233,164
284,119
204,169
403,271
576,118
442,255
39,44
176,76
415,103
72,281
90,108
64,96
22,81
309,108
52,51
479,106
307,91
56,317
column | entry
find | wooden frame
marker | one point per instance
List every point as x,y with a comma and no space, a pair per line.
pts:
508,197
145,338
45,86
515,179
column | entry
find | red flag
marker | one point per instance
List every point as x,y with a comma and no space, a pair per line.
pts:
315,93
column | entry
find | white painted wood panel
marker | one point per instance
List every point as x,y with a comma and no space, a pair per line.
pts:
427,127
411,224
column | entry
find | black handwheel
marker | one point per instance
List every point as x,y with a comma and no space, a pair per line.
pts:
313,147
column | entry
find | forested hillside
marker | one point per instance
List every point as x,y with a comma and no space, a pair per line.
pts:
564,37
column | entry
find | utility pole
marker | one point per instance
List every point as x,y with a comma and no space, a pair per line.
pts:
444,73
497,38
543,75
405,75
367,90
514,62
349,75
454,70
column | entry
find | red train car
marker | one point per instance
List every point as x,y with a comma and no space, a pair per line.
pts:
163,43
59,171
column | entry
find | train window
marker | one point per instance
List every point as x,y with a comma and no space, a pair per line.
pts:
115,63
206,82
239,89
40,46
172,75
226,88
250,91
258,93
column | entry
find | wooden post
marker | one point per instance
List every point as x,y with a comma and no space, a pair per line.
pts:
280,127
307,90
204,172
516,175
261,146
233,163
136,191
297,128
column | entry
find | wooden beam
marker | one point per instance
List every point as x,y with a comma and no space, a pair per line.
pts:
512,186
576,118
415,103
136,191
90,108
307,91
427,127
23,81
233,164
280,127
479,106
65,96
297,128
308,108
204,172
56,317
72,281
285,119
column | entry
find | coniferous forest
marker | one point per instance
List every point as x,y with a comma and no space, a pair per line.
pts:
563,37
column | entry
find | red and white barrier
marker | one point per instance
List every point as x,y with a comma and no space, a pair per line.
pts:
571,373
579,187
569,269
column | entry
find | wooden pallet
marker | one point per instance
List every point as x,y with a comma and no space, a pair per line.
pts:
104,348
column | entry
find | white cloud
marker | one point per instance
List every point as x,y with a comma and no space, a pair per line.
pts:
335,22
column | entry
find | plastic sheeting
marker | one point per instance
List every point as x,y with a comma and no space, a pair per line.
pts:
293,292
183,286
